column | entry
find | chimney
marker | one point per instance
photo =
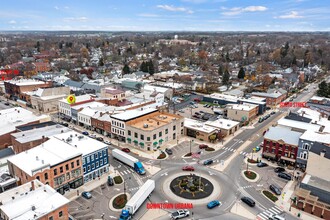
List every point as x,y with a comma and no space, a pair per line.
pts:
322,153
32,185
37,158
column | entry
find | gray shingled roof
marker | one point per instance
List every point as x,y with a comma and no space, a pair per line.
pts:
282,133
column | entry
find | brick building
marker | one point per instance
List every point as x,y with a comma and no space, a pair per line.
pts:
14,117
281,144
33,200
17,88
54,163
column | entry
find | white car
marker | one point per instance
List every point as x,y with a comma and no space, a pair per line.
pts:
107,142
180,214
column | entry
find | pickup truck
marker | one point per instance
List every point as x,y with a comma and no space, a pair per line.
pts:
180,214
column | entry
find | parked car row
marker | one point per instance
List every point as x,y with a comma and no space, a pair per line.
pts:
261,119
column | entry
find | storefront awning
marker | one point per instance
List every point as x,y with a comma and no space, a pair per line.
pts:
155,143
161,140
129,139
266,154
288,159
142,144
135,141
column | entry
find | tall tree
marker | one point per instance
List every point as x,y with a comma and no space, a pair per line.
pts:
126,69
225,77
324,89
220,70
241,73
144,67
151,68
101,63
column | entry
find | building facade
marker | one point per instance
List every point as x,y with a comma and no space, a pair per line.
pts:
242,112
154,130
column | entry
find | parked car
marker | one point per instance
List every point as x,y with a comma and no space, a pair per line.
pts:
203,146
168,151
279,169
86,195
188,168
65,124
92,136
127,150
273,113
261,120
248,201
213,204
205,117
99,139
201,111
275,189
208,162
262,164
7,103
197,113
181,110
107,142
257,148
85,133
180,214
284,176
110,181
275,217
208,106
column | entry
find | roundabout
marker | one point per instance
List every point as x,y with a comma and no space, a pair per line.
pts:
191,187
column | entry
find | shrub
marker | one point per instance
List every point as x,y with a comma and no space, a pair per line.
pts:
209,149
183,184
188,155
270,195
250,175
252,161
120,201
161,156
118,179
192,188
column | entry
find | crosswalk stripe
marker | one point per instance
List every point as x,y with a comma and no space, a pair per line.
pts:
121,173
124,172
272,211
235,150
268,212
128,171
261,215
277,209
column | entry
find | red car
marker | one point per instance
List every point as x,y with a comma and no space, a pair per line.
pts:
188,168
203,146
126,150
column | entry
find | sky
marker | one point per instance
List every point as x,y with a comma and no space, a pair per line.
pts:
166,15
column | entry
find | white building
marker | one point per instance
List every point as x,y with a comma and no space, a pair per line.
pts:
33,200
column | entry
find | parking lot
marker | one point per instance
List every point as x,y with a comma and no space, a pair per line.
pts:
200,113
267,176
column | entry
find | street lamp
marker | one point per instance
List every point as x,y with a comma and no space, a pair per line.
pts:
125,185
191,141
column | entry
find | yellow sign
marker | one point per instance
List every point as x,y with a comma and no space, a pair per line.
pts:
71,99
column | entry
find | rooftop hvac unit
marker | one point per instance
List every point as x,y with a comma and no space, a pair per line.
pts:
68,139
145,126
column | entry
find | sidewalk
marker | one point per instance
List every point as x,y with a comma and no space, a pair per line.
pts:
240,210
285,199
89,186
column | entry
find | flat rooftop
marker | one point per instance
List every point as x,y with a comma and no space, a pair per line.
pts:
80,98
316,182
13,117
198,126
38,133
132,114
242,107
284,134
298,125
155,121
45,155
222,123
26,82
43,198
268,95
83,144
89,104
320,137
223,96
